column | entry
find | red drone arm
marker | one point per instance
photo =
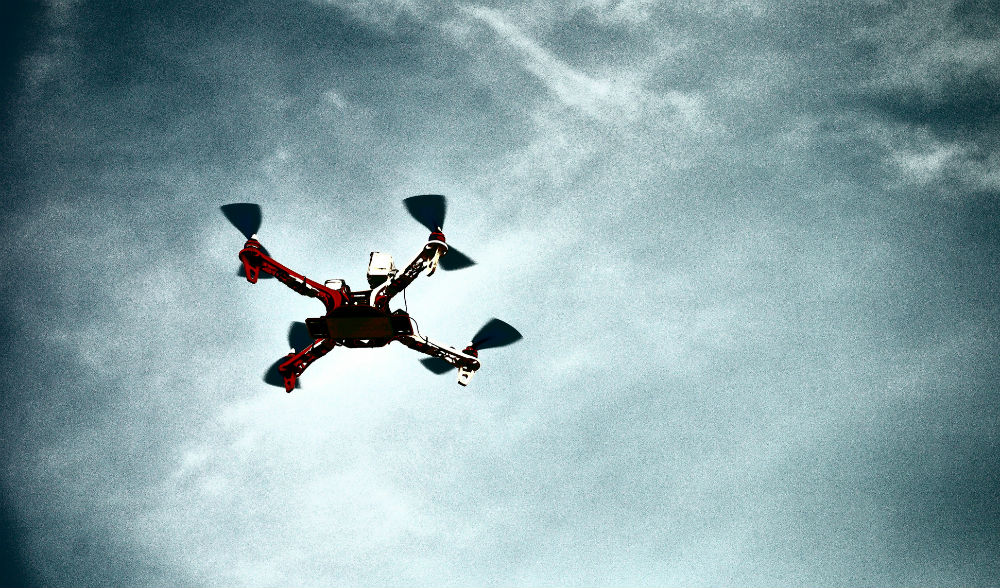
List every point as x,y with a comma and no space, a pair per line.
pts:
255,260
297,363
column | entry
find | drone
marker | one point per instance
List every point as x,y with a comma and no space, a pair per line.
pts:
363,318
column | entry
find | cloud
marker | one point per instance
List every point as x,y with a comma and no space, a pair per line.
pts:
935,83
573,88
755,289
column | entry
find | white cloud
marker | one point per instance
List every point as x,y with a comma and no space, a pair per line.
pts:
922,47
598,97
926,166
334,97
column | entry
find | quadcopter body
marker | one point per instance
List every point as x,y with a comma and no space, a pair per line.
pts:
363,318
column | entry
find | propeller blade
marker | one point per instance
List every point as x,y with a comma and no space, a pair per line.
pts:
428,209
453,259
495,333
298,336
436,365
242,272
245,216
273,377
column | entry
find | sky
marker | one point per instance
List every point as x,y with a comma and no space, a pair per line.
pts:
752,246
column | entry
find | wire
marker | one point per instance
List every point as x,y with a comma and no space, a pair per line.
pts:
416,327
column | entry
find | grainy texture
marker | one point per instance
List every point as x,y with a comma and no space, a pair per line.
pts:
752,247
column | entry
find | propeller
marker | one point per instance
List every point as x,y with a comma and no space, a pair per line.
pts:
495,333
436,365
429,210
454,259
246,217
273,377
298,338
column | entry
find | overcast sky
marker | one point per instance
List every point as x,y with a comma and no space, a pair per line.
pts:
752,246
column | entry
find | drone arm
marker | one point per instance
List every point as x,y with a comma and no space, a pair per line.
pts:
427,258
293,367
453,356
255,260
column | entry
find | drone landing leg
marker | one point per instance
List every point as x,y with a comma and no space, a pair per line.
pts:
293,368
